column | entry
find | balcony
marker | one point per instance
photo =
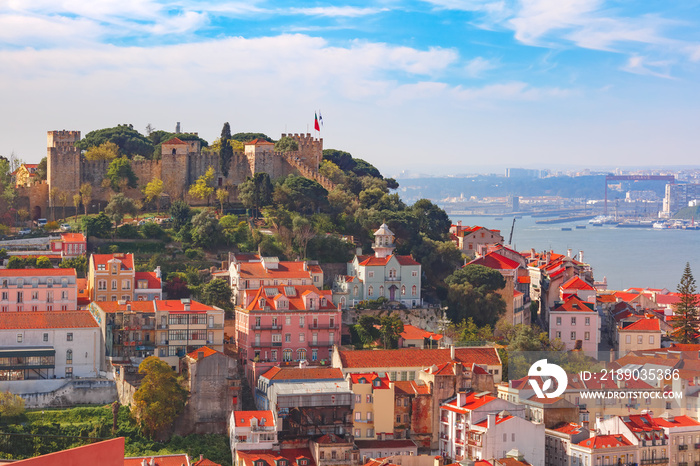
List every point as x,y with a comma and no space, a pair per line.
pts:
682,447
653,461
258,344
267,327
162,327
215,326
321,343
392,279
323,326
697,446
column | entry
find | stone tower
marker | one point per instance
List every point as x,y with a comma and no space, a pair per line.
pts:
310,149
174,165
63,161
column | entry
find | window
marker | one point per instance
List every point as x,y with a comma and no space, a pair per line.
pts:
69,356
414,273
370,291
114,284
287,337
588,321
358,399
557,335
302,337
257,322
69,336
301,321
369,416
276,338
403,290
640,340
414,290
49,296
398,402
370,274
369,398
558,320
370,433
46,337
126,284
69,372
358,415
398,418
358,433
102,285
573,335
288,320
35,295
628,339
587,335
287,355
301,354
573,321
5,296
314,354
273,356
651,342
19,338
20,297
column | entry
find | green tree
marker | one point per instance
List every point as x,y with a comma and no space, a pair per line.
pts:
222,197
203,186
181,214
105,151
432,220
15,262
63,200
247,137
366,330
470,333
153,191
472,292
41,170
217,293
7,189
120,174
99,226
11,405
206,231
303,232
159,398
256,192
43,262
300,194
78,263
390,329
286,144
3,254
86,195
226,150
129,141
685,312
76,204
120,206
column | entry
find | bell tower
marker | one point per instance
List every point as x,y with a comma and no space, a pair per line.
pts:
383,242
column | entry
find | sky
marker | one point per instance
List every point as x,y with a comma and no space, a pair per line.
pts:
435,86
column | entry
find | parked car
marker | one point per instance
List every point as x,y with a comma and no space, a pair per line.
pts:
24,231
65,227
41,222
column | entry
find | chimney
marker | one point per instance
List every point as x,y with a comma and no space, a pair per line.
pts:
159,274
177,128
452,352
306,266
533,254
459,223
580,256
568,253
128,307
490,420
201,457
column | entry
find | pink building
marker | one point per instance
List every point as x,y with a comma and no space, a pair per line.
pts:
281,324
70,245
576,324
38,290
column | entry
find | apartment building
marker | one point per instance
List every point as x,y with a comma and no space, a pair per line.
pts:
373,415
111,277
36,290
577,324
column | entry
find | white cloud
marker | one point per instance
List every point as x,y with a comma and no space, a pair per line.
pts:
335,11
476,67
641,65
515,91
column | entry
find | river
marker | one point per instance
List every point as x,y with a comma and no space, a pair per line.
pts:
628,257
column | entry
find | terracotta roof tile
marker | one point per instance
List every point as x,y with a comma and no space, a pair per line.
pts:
47,319
246,458
605,441
411,332
303,373
174,141
268,294
205,462
493,260
205,350
37,272
574,304
73,237
575,283
175,305
569,428
127,260
648,324
115,306
370,378
153,281
242,418
160,460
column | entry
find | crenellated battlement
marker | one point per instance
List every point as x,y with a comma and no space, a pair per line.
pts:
62,139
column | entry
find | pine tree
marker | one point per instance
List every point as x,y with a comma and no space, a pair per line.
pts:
226,151
685,319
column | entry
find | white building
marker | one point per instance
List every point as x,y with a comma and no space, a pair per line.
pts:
603,450
478,426
577,324
382,275
252,430
50,344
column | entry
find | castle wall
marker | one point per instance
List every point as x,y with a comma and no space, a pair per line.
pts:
63,162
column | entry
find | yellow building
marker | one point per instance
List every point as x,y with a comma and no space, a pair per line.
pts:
373,415
111,277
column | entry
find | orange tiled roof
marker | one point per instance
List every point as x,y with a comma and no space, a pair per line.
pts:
369,378
160,460
574,304
303,373
284,270
204,349
569,428
369,260
499,419
648,324
242,418
174,141
412,357
115,306
494,260
36,272
293,455
47,319
205,462
73,237
175,305
471,402
411,332
575,283
605,441
127,260
153,280
296,300
259,142
677,421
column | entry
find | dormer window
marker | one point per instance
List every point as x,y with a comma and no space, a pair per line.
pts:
377,383
281,462
259,463
114,269
302,462
101,267
261,303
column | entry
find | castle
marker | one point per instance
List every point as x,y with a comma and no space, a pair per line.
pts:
181,163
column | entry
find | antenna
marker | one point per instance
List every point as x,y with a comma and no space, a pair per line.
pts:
510,240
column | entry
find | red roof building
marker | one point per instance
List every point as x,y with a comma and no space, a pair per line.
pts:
38,290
